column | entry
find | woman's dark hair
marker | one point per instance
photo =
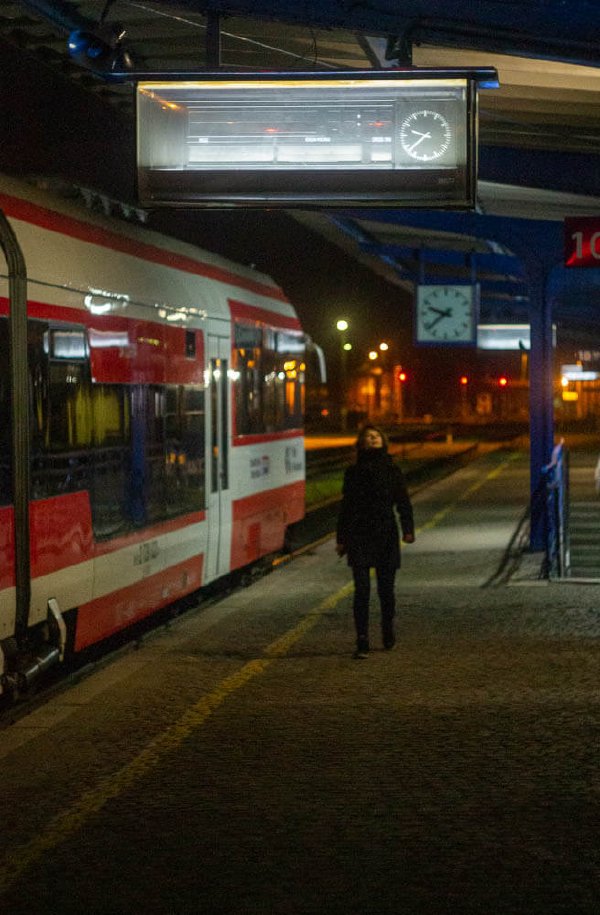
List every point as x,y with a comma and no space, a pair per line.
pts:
360,441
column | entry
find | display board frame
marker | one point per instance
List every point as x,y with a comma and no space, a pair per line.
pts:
317,139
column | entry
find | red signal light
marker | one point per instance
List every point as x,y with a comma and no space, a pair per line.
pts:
464,379
503,381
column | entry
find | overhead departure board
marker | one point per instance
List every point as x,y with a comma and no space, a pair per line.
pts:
346,139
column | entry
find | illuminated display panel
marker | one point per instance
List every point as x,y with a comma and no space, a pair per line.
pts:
506,336
339,140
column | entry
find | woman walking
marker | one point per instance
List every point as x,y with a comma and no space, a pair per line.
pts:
367,531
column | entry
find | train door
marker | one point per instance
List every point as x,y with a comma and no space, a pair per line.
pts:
218,456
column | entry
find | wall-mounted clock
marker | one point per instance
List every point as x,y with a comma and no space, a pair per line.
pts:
426,135
446,314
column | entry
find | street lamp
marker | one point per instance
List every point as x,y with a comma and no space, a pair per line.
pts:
342,326
464,403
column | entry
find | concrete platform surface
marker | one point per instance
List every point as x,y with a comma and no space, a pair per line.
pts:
242,762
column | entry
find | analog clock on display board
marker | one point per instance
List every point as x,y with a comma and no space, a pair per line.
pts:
426,135
446,314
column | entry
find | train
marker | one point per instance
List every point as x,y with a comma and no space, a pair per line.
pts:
151,403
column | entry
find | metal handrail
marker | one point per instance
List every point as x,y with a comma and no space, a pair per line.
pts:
19,374
556,478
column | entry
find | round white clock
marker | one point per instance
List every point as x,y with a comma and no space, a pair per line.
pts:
446,314
425,135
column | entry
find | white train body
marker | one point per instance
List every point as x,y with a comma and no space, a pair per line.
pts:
166,397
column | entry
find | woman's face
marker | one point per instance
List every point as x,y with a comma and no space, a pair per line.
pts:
372,439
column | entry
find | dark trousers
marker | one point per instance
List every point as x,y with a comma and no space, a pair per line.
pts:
362,590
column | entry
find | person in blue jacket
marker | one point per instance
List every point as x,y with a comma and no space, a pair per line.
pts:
367,531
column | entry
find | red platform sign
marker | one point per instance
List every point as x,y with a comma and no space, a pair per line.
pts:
582,241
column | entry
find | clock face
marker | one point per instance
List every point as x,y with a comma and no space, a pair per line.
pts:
446,314
425,135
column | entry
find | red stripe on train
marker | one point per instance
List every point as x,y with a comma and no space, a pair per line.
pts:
109,614
7,548
62,533
260,522
262,437
241,311
53,221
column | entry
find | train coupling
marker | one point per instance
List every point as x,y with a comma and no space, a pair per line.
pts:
32,667
22,665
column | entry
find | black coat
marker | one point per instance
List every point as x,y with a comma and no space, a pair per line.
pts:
367,526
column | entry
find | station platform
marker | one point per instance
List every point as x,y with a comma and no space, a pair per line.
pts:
242,762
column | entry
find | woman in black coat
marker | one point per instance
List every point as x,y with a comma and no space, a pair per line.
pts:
367,531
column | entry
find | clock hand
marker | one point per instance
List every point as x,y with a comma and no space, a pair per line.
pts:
435,321
424,136
444,312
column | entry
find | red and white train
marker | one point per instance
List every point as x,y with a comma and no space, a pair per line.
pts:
163,410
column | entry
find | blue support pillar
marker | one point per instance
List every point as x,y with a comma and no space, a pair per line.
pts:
538,245
541,400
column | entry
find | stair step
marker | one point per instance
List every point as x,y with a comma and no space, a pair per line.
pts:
587,574
584,540
578,560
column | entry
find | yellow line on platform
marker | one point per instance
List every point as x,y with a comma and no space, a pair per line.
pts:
65,824
495,472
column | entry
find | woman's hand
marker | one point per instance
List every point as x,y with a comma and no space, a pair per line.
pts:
340,549
408,538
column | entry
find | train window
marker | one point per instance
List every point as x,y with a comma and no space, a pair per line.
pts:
66,343
284,380
247,375
61,418
138,450
248,336
268,374
150,458
184,449
109,482
219,434
5,418
190,344
224,426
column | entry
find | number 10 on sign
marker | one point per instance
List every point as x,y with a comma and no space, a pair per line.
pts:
582,242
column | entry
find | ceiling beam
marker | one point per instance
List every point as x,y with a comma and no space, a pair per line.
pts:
554,30
493,263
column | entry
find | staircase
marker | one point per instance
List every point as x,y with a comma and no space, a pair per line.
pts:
584,537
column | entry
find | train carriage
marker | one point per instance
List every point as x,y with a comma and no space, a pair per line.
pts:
164,412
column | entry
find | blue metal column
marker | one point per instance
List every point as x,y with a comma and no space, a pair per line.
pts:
541,399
